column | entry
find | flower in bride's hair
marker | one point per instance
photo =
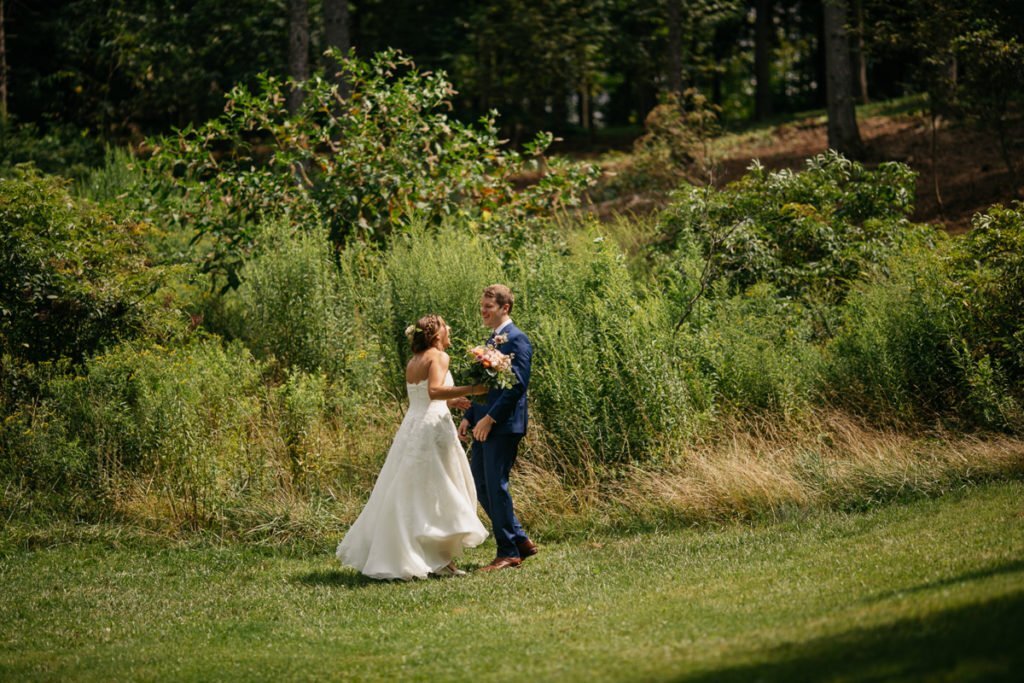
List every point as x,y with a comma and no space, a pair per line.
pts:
410,331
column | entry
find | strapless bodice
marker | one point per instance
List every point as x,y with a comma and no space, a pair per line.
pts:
419,399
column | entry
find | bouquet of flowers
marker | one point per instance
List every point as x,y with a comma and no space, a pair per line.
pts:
490,366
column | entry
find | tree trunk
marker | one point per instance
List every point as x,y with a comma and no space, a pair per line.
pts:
763,59
336,35
586,117
860,62
298,49
843,134
675,49
820,72
483,66
3,67
560,108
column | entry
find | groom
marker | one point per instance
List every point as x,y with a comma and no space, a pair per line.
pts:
498,426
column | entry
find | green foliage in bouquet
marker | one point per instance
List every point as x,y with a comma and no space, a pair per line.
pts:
366,164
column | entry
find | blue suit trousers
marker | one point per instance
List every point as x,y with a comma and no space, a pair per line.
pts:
491,463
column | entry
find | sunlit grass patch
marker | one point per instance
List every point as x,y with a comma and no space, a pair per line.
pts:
931,589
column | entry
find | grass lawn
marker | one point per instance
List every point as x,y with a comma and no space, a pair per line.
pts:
932,589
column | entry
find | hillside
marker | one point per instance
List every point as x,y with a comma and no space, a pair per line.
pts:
970,173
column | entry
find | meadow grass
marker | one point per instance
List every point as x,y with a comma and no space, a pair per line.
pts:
933,589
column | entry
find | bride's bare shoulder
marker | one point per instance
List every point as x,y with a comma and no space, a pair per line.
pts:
436,356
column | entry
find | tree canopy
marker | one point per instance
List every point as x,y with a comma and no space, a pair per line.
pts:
126,68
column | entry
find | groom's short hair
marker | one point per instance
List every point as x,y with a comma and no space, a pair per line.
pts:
501,294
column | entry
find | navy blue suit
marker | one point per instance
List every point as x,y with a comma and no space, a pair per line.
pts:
492,459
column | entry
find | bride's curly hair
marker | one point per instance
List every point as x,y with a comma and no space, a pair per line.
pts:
424,333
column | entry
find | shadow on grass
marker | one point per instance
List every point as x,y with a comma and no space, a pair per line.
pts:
977,642
1007,568
350,579
338,578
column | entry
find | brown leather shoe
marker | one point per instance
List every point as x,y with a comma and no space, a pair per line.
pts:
527,549
502,563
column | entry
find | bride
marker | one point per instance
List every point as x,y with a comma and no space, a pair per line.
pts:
422,511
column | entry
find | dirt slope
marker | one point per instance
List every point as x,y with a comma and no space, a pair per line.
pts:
971,174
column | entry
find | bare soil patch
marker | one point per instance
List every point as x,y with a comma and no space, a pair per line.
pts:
969,170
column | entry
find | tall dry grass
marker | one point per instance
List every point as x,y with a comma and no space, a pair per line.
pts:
749,469
763,469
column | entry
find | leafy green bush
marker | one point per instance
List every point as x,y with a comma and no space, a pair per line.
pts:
61,149
304,405
121,177
988,283
297,306
287,423
674,148
757,350
335,435
131,189
175,420
609,379
987,286
892,359
72,279
810,234
386,155
990,82
442,272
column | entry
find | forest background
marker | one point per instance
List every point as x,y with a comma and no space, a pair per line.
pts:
218,218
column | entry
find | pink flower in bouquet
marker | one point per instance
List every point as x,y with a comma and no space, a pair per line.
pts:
492,367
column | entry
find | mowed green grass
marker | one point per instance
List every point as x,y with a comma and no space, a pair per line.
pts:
932,589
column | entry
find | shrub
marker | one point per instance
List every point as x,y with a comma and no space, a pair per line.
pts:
293,306
809,234
175,421
440,272
386,156
59,148
987,286
304,405
72,279
892,359
674,147
609,378
757,350
120,176
991,84
336,436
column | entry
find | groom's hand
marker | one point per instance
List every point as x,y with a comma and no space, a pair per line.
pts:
483,428
464,429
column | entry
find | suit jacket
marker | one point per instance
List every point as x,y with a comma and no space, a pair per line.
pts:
507,407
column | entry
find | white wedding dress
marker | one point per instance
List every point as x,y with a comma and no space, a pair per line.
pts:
422,511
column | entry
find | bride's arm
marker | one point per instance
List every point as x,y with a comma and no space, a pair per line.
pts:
435,381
